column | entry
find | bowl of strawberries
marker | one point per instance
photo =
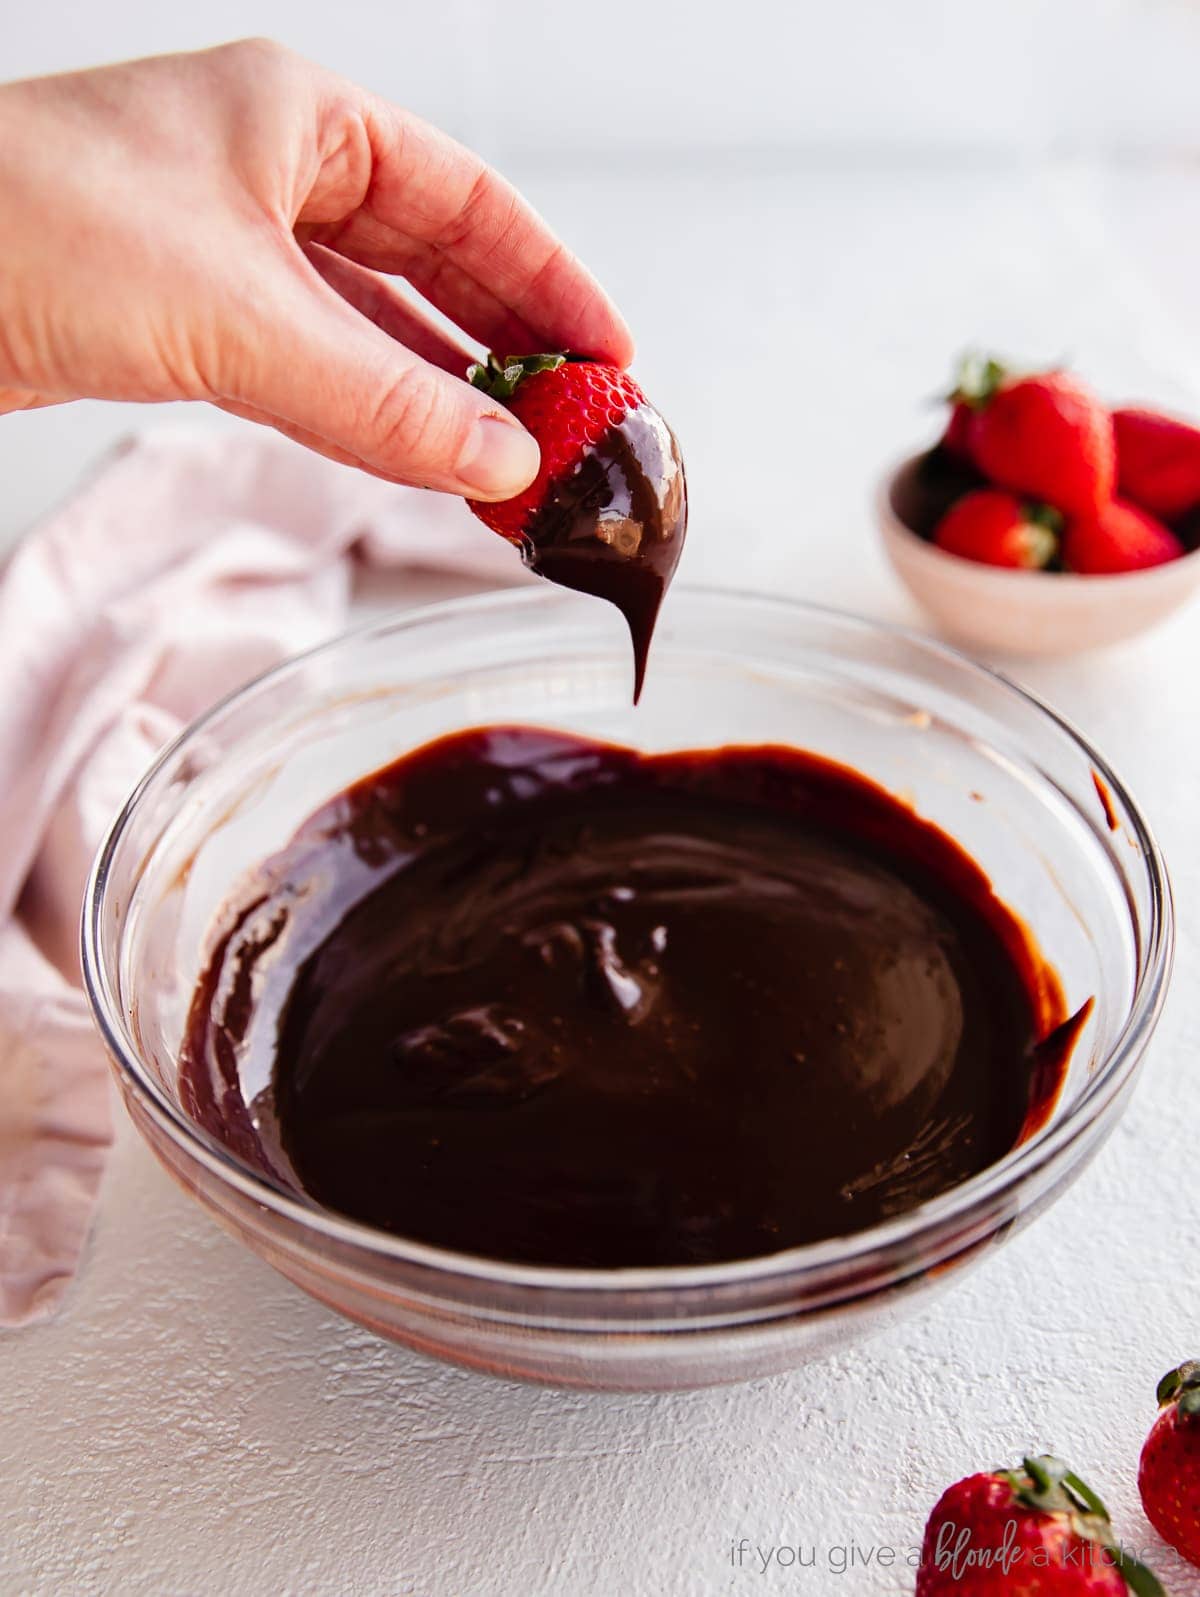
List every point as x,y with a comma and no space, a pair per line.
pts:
1043,522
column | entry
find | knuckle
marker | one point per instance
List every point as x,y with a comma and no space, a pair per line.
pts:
489,210
557,259
260,66
259,50
479,199
411,420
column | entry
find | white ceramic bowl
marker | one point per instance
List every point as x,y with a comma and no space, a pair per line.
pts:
1027,612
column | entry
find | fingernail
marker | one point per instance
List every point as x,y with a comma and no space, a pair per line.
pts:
499,459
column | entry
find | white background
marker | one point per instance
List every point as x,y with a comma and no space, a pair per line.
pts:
805,211
816,116
641,77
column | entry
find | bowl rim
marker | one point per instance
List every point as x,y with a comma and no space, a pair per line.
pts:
893,525
846,1254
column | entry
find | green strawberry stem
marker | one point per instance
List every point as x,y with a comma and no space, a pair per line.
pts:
1141,1581
1042,543
500,374
978,378
1182,1387
1047,1486
1045,516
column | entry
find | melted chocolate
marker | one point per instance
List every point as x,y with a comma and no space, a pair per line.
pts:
616,527
533,997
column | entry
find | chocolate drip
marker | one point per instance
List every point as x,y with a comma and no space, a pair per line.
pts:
615,528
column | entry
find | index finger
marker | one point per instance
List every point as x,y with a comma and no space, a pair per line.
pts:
434,212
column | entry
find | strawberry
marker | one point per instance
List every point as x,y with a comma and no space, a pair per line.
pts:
607,512
997,529
925,488
1158,462
956,440
1169,1476
1016,1533
569,405
1118,537
1045,436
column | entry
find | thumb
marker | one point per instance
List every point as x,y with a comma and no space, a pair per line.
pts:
316,366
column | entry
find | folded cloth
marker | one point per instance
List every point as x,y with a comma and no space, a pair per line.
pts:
188,563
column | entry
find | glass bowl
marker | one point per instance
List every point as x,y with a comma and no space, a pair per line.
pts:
1043,814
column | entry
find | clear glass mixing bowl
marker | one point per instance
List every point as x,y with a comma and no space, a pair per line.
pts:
992,766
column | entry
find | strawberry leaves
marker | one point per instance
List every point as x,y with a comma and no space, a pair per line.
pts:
977,379
500,374
1047,1486
1182,1387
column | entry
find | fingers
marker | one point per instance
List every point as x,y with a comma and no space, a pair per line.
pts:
311,441
374,297
14,399
434,212
319,369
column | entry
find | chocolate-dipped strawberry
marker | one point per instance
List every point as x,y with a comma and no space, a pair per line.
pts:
607,512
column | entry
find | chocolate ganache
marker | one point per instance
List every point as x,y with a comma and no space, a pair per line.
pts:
606,513
615,528
533,997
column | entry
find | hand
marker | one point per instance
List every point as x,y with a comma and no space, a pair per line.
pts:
215,226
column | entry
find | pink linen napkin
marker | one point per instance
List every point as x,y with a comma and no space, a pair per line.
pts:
188,563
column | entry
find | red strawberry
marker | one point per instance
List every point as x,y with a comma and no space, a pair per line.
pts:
997,529
568,404
956,440
1158,462
1046,436
1033,1532
1169,1476
1118,537
607,512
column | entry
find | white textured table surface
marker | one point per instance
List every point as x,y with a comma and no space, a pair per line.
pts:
192,1424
